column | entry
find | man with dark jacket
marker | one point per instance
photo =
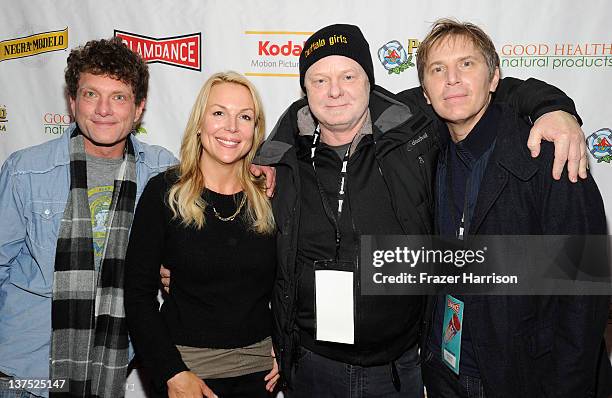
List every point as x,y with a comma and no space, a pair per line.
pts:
351,159
487,184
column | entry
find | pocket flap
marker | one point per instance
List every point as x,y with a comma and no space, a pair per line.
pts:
47,210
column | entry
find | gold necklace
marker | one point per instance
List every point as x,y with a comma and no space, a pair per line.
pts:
230,218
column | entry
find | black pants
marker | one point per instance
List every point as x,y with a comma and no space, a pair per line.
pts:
251,385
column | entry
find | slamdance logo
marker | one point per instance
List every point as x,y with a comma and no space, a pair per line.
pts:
600,145
274,53
3,119
56,123
583,55
183,51
33,44
395,58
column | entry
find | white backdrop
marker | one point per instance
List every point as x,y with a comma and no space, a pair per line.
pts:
566,43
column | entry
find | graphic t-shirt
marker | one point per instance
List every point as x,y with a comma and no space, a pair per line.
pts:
101,175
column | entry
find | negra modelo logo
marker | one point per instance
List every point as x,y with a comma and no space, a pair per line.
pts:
182,51
34,44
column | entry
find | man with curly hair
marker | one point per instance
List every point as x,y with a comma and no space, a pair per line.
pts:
67,208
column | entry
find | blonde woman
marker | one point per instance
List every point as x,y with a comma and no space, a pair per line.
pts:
209,221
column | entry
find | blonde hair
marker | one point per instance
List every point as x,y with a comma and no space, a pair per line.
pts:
185,197
447,27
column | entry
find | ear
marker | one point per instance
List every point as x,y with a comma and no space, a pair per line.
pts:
72,102
139,110
494,81
425,95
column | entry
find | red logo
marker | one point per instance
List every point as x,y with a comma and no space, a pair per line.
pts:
182,51
274,49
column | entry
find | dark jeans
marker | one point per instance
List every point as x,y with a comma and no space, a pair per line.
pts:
441,382
320,377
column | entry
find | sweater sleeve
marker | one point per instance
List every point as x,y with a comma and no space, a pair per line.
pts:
533,97
151,338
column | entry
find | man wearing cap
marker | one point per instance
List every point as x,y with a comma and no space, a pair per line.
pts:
352,158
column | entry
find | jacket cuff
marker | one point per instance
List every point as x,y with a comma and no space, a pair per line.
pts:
553,105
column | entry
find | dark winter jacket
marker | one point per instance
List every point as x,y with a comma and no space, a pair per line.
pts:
406,152
534,346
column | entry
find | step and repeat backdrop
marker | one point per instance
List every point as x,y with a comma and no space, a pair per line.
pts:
566,43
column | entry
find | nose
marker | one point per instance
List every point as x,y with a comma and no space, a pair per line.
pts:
453,76
231,125
103,107
335,88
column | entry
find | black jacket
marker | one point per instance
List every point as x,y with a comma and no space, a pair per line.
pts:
535,346
407,150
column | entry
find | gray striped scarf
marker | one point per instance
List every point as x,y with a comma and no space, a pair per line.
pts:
89,345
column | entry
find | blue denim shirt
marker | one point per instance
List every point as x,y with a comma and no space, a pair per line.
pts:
34,188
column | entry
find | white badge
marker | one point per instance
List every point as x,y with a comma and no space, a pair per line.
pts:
334,306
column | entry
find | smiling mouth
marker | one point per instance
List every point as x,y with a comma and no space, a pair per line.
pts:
103,123
455,96
333,107
227,143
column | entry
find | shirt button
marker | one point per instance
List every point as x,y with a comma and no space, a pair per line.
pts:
47,211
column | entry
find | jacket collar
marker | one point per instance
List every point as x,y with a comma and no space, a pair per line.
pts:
510,156
396,123
386,113
306,125
511,150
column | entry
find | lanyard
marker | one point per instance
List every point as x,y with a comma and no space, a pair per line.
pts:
463,226
333,216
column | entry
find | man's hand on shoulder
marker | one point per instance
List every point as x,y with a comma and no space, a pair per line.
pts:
269,174
562,129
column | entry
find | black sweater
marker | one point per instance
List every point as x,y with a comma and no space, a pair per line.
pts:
222,276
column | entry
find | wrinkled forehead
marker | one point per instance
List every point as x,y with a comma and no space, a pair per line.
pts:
335,63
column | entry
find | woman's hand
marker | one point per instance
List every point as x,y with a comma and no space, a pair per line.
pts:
187,385
273,376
